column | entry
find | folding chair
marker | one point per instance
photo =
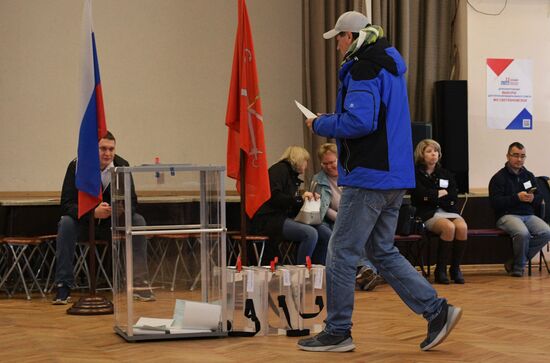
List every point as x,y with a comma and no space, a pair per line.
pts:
180,241
287,249
19,253
255,240
81,265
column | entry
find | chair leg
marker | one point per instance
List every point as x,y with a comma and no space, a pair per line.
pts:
81,265
101,268
48,279
34,279
543,258
259,255
164,248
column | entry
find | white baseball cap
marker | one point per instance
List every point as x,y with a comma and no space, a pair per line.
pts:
351,21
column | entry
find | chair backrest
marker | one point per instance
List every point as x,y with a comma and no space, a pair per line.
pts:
543,187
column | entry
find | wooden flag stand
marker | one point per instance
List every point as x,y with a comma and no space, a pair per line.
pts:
92,304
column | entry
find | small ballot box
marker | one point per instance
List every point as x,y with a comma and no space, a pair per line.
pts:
167,271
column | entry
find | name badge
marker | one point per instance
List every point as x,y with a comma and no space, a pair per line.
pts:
527,184
443,183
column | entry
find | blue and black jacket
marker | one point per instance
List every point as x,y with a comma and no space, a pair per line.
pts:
372,124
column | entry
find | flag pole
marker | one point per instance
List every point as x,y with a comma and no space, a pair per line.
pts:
242,171
91,253
92,304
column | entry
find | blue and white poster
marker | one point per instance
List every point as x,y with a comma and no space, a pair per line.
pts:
509,94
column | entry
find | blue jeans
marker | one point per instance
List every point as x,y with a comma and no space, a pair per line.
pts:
363,261
366,221
313,240
67,236
529,234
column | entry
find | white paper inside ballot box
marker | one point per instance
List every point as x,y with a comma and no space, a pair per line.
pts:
196,315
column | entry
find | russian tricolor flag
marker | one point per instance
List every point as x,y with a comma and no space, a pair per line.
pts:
93,125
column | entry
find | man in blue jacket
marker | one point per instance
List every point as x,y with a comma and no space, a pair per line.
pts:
375,166
512,191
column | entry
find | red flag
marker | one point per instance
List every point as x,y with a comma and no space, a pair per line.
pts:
244,120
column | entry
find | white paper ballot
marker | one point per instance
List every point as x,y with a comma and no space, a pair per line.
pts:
196,315
154,323
307,113
147,326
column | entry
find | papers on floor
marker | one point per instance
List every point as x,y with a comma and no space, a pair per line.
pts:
190,317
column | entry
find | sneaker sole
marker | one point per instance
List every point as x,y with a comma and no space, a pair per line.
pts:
372,284
453,317
139,298
61,302
345,346
365,279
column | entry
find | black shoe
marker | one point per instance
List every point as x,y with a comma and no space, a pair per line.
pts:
62,296
440,327
325,342
440,275
456,275
511,270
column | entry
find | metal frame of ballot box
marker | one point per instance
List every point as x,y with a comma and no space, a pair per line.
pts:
210,232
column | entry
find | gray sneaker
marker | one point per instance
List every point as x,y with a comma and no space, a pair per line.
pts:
440,327
144,294
366,279
375,281
325,342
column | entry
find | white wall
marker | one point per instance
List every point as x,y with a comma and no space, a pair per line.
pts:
165,68
522,31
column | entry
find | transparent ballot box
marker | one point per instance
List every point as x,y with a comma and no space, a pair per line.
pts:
286,285
299,293
247,301
314,298
167,280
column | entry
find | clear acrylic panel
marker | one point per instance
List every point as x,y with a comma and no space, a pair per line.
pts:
167,280
247,300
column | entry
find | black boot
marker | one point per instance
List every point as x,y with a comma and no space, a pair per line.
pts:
444,250
458,252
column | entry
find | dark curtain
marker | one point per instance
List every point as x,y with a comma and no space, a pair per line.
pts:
422,32
320,62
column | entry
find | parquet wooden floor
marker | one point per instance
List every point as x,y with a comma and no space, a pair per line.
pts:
505,320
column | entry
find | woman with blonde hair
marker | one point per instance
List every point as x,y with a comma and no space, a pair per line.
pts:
435,198
275,218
